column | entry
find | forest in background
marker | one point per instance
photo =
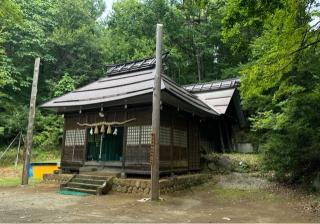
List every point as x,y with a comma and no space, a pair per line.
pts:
272,45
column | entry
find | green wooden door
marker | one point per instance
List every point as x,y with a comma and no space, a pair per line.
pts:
93,147
111,148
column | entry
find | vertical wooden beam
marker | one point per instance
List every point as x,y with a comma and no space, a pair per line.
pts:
85,148
197,145
32,111
63,147
227,132
171,143
221,136
154,150
124,143
190,123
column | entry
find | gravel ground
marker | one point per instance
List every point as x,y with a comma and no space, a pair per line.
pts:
230,198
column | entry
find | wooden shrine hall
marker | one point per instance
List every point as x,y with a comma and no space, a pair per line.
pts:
108,123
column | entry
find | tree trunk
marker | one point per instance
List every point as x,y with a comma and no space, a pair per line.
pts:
198,66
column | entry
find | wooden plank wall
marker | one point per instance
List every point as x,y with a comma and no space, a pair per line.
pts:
72,154
137,157
174,158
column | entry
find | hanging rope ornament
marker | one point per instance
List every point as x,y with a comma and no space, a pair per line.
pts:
115,131
103,129
109,130
96,130
103,125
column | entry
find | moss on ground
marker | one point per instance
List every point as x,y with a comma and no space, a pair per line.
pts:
241,194
233,162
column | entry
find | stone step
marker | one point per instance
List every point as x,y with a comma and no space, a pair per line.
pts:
89,184
89,191
83,185
91,177
87,181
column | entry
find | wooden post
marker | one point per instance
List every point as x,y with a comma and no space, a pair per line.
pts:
154,150
221,136
32,110
124,143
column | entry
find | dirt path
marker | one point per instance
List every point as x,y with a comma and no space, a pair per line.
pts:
211,202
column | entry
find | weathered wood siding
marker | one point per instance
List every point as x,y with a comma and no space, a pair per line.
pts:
137,156
179,138
193,144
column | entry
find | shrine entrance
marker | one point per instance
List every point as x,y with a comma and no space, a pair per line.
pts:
105,147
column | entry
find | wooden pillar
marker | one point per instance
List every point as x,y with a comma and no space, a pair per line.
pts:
227,135
32,111
154,150
124,146
85,148
171,144
221,136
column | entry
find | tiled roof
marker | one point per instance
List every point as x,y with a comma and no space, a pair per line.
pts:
125,82
131,66
135,80
216,94
213,85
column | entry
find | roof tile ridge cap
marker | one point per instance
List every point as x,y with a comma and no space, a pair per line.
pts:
130,62
237,79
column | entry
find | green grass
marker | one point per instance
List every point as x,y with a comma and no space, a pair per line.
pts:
11,176
235,194
37,155
15,181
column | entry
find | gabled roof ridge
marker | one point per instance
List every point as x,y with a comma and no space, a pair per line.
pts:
132,66
213,85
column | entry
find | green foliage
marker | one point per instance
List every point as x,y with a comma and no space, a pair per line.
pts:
280,89
244,163
66,84
236,162
191,35
243,21
66,36
49,130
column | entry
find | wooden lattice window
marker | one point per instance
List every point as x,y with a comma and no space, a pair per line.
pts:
165,136
180,138
133,135
146,135
75,137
